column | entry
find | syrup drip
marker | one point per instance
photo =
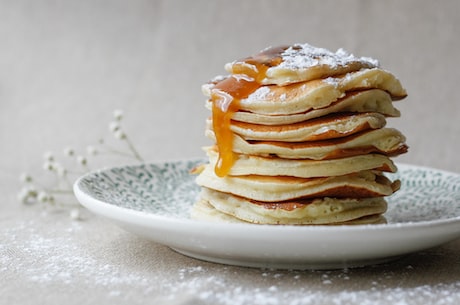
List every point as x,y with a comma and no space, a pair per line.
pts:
247,77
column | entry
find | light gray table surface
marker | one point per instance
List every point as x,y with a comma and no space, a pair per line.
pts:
66,65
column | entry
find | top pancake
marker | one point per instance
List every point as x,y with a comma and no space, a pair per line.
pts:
298,63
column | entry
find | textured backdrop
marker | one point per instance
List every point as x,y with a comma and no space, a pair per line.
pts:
65,65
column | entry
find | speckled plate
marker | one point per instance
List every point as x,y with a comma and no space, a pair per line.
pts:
154,201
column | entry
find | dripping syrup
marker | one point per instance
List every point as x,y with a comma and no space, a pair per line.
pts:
247,76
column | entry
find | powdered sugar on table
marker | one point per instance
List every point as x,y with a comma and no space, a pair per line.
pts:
48,256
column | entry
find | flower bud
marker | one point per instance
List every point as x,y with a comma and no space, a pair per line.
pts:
118,114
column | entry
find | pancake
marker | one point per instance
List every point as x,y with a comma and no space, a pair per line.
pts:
316,211
372,100
387,141
371,78
255,165
290,99
297,63
315,94
280,188
327,127
203,211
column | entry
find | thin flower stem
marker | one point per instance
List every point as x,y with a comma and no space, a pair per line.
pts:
73,172
59,191
117,152
68,204
134,151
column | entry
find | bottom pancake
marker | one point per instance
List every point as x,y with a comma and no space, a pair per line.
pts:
214,205
203,211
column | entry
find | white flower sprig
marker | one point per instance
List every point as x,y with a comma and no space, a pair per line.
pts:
60,190
118,132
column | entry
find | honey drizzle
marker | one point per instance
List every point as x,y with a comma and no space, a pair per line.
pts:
246,78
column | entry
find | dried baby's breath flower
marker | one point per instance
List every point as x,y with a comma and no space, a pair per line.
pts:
118,114
69,152
82,160
27,194
25,178
22,196
120,135
54,194
48,166
114,127
42,197
48,156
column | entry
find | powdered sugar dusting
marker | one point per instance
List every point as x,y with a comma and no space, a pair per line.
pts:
304,56
271,289
260,94
41,258
334,81
56,259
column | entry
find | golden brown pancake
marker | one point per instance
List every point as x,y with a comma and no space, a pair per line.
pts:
280,188
372,100
272,166
299,62
328,127
316,211
387,141
295,98
372,79
315,94
203,211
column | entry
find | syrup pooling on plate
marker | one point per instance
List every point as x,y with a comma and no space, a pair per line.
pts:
226,96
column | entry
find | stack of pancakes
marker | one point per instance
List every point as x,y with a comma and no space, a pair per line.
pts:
300,138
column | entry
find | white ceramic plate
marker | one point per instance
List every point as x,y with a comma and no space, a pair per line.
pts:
154,200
